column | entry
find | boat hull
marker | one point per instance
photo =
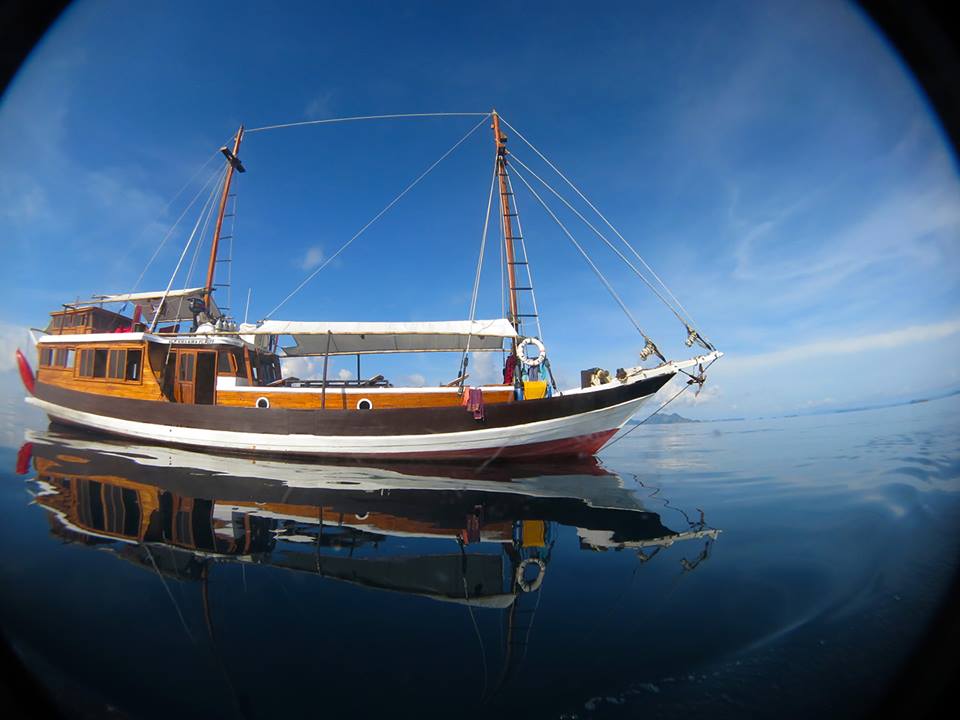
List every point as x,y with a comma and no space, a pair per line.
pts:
575,424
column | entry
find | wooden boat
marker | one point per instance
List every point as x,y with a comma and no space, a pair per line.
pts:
221,386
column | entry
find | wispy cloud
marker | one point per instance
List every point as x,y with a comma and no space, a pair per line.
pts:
312,258
23,199
416,380
319,106
845,346
483,369
11,338
709,393
906,227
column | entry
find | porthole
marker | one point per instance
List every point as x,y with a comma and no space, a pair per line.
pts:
263,402
364,404
361,516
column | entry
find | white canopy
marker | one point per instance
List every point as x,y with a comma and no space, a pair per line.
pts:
352,338
175,308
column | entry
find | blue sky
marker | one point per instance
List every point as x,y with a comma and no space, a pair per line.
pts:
774,162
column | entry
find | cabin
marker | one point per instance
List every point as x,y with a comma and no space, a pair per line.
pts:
93,350
87,320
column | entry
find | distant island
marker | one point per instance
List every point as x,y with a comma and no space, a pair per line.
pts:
665,419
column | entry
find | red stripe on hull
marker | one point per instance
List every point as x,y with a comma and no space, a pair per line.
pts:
581,446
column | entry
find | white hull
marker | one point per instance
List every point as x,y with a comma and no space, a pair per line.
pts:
491,441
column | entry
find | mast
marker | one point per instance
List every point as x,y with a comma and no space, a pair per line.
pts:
233,163
501,140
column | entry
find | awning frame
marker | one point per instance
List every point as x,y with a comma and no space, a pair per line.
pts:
381,338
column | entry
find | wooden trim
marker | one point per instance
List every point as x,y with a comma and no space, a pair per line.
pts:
340,399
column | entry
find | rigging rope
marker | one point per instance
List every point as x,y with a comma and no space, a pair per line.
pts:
173,600
210,205
503,267
199,246
183,254
593,265
599,234
377,216
678,394
173,227
526,260
476,627
476,279
602,217
366,117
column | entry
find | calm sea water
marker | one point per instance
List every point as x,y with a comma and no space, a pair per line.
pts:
777,568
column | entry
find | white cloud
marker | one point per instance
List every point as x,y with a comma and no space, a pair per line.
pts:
845,346
300,367
312,258
416,380
11,338
690,397
344,374
484,369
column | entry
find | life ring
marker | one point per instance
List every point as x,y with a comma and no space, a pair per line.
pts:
531,585
522,355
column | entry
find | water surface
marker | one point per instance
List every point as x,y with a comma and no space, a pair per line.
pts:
778,567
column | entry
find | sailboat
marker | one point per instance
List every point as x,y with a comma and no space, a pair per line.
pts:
220,386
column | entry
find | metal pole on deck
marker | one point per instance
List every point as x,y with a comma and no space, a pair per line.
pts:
326,361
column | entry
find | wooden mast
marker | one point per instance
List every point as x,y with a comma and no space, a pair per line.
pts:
501,142
233,163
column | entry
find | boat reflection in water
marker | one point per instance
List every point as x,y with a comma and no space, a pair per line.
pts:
180,514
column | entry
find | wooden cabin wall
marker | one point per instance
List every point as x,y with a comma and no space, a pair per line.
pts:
340,399
146,388
157,380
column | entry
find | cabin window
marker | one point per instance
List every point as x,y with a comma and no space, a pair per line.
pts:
46,357
266,369
107,363
116,364
100,356
63,357
223,363
134,362
86,363
241,365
